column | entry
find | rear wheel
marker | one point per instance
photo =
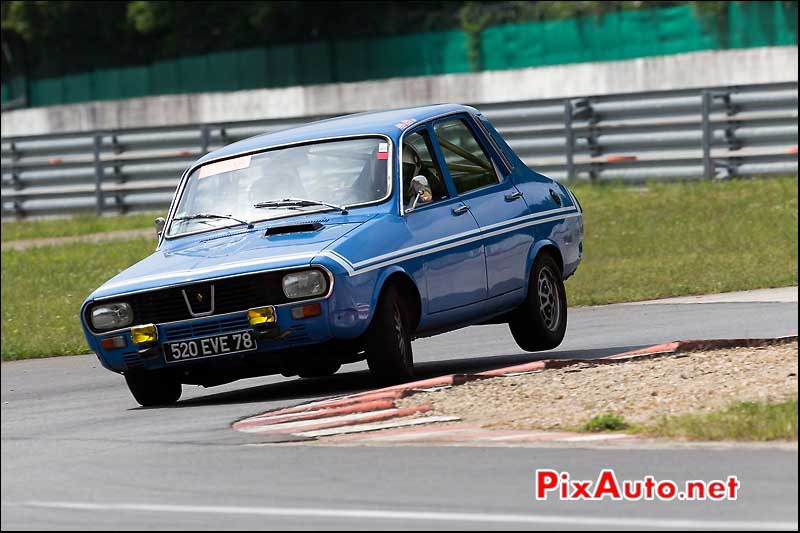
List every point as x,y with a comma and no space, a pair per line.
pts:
153,387
541,321
388,339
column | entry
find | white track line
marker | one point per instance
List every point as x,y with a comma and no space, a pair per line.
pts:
315,421
344,430
423,516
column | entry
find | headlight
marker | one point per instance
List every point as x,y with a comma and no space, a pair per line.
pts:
304,284
111,316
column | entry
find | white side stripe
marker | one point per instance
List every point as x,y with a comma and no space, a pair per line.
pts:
340,259
460,243
416,247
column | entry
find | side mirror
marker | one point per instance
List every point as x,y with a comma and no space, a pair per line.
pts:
160,223
420,187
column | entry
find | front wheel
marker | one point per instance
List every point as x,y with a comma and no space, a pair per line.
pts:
541,321
153,387
388,339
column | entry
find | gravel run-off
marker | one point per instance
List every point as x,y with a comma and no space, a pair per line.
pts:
640,390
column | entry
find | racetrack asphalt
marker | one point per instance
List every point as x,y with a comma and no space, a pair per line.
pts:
78,453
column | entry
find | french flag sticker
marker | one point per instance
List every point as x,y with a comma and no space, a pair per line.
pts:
383,151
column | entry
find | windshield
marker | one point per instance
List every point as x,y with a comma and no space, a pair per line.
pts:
340,173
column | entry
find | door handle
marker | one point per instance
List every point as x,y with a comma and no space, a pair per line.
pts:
510,197
460,210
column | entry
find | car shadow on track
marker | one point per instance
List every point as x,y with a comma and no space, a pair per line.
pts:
360,381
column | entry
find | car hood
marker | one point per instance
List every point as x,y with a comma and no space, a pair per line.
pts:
226,253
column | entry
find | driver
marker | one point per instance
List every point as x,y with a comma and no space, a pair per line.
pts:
412,167
274,182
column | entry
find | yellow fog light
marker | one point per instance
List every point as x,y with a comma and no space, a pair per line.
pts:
262,316
144,334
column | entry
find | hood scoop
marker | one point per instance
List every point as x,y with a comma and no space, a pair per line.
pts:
305,227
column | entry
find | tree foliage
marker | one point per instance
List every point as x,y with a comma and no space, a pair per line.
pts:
51,38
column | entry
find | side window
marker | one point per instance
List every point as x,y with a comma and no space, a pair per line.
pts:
468,163
418,160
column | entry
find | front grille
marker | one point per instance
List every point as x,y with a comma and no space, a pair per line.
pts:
187,331
132,360
230,295
298,334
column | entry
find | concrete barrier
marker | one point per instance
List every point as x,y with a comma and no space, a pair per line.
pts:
695,69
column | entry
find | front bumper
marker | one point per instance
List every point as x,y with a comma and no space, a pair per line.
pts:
290,333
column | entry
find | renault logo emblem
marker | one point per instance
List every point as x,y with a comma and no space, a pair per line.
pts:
203,302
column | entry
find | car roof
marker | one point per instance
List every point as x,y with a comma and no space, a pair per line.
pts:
390,122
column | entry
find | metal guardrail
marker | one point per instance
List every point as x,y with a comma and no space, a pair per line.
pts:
709,133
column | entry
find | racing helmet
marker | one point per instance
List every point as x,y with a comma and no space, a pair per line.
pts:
412,163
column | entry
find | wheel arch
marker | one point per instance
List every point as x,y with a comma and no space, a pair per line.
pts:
408,289
546,246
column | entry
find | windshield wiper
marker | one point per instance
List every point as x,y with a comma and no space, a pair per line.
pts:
197,216
298,202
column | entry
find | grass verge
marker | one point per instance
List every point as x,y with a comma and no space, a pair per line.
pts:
649,242
43,288
77,225
743,421
676,239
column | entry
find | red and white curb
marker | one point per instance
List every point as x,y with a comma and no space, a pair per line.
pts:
472,434
373,416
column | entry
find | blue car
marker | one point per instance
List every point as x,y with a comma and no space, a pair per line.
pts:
297,251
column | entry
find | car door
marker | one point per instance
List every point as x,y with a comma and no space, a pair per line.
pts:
444,231
492,198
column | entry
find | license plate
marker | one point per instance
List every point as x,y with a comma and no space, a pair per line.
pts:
236,342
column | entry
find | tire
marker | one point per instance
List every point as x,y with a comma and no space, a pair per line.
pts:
153,387
388,339
541,321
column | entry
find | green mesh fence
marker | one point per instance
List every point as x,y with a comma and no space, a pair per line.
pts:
616,36
13,92
762,24
623,35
